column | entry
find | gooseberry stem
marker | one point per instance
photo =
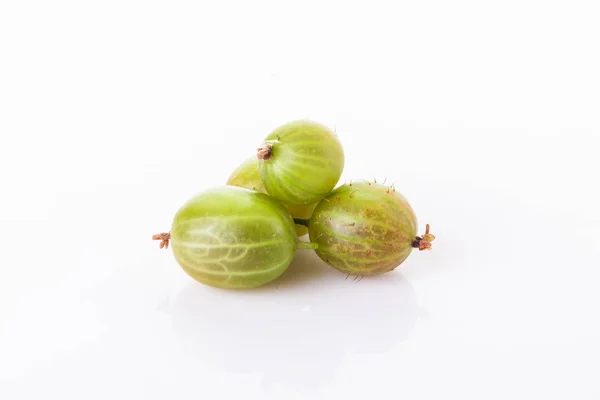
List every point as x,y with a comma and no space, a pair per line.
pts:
164,239
301,221
307,246
423,243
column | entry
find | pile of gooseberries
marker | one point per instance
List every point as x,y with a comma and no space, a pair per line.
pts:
246,232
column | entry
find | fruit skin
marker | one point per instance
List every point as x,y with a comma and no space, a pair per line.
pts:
363,229
304,163
233,238
246,175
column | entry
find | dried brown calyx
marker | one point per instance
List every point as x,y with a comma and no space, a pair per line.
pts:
164,239
265,151
424,242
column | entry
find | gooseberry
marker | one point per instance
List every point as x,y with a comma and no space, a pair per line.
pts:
246,175
300,162
365,229
232,237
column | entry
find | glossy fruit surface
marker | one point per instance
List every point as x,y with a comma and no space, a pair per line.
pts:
301,162
363,229
246,175
231,237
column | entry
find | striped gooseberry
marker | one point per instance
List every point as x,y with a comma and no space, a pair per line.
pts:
231,237
365,229
246,175
300,162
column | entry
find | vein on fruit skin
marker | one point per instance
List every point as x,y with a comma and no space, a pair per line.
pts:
192,267
194,245
286,172
220,218
365,260
237,258
351,239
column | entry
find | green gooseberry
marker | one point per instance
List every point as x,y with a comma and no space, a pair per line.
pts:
300,162
365,229
233,238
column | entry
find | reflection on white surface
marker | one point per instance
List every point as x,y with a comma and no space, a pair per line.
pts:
296,340
504,301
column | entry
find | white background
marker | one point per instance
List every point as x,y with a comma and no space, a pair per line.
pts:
485,114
